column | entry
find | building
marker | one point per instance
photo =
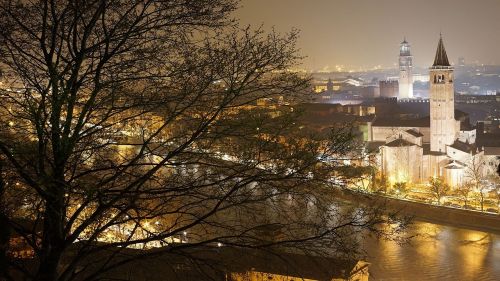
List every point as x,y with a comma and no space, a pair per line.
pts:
369,92
388,88
405,71
348,83
442,102
440,145
478,99
329,85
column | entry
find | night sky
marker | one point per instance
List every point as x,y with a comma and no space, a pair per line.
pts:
367,33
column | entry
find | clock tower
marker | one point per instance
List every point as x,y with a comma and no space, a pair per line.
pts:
405,71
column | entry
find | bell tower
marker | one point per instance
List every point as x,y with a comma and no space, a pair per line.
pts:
442,101
405,71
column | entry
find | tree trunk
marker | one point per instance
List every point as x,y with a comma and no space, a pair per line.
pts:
482,202
5,231
53,239
4,245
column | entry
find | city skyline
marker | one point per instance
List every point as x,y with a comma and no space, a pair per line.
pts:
366,34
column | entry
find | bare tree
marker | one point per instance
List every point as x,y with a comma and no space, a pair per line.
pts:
496,191
464,192
474,172
134,124
495,179
4,228
438,188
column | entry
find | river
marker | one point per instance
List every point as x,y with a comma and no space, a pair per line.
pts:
436,252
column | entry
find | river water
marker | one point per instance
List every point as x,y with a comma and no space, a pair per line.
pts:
436,252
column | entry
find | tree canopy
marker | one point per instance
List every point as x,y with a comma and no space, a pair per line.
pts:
137,124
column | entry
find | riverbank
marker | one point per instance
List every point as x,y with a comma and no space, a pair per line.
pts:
468,219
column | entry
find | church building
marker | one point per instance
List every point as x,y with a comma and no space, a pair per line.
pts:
440,145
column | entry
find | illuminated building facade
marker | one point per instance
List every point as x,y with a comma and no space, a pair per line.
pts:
405,71
440,145
388,88
442,101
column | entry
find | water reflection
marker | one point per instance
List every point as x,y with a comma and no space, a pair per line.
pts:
436,252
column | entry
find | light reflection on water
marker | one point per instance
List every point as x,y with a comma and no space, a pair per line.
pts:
436,253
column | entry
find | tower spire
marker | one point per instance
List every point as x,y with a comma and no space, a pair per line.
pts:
441,58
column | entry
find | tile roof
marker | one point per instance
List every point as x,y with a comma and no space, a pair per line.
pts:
399,142
465,147
414,133
395,122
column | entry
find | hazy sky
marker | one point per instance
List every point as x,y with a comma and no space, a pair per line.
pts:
366,33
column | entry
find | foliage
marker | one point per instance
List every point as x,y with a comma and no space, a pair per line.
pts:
401,189
134,124
474,173
381,184
464,192
438,188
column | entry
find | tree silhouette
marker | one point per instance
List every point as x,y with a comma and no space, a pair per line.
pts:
134,124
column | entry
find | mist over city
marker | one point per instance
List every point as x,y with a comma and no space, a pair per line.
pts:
363,34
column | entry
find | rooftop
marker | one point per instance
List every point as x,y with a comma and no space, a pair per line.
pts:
441,58
414,133
373,146
427,150
488,140
492,151
453,164
465,147
399,142
396,122
386,121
